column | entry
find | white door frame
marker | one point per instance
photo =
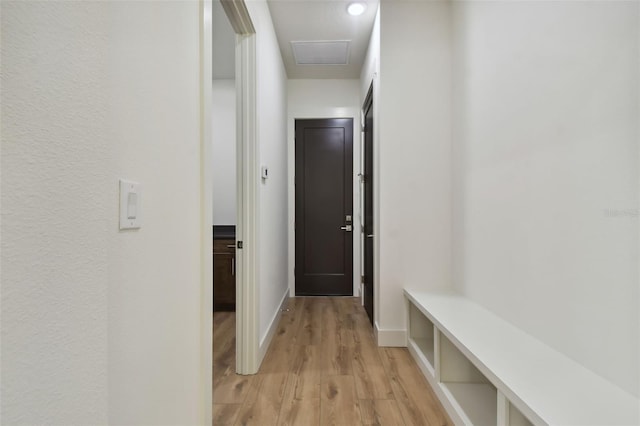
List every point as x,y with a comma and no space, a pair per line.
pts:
247,355
206,207
247,361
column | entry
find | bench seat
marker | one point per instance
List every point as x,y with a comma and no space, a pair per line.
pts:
487,371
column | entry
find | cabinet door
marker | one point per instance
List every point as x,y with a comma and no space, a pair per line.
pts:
224,276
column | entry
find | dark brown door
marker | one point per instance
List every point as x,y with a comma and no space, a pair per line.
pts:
324,207
368,205
224,275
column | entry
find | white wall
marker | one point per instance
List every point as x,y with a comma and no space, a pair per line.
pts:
546,173
325,99
224,152
100,326
371,65
154,340
55,180
272,141
414,157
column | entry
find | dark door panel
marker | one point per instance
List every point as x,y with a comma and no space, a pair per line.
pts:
324,200
368,205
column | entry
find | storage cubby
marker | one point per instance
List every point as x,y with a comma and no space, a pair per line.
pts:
516,418
421,335
509,415
466,386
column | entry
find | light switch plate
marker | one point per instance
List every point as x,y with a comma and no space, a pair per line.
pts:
130,196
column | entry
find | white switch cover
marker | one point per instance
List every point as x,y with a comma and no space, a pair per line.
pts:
129,204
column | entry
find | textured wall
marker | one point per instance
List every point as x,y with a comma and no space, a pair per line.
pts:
55,169
100,325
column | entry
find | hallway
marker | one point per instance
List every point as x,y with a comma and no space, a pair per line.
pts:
322,368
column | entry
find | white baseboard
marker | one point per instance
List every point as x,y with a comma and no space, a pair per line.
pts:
390,338
266,341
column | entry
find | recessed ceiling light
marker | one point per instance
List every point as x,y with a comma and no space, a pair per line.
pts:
356,9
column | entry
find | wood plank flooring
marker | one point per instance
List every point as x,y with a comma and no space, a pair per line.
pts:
322,368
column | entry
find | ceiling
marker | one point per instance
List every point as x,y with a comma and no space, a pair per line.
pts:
302,20
322,20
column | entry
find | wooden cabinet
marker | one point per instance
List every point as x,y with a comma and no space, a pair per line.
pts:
224,275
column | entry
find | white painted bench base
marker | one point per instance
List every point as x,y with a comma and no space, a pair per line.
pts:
486,371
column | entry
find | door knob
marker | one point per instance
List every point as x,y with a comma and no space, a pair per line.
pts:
347,228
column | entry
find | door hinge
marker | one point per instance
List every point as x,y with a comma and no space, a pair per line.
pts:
239,244
361,279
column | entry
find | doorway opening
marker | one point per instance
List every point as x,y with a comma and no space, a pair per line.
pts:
224,142
232,171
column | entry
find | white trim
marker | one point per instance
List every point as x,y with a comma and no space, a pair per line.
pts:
273,326
206,206
238,15
503,409
390,338
247,361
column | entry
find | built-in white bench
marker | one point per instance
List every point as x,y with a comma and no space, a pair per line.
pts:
487,371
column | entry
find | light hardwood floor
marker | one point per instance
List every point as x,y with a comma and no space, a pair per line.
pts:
322,368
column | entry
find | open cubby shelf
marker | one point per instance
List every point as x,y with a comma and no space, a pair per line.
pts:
470,392
485,371
421,336
478,401
425,346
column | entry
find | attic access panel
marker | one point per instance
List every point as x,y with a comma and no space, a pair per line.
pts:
321,52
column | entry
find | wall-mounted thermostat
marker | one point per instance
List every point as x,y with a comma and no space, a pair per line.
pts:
265,172
129,204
